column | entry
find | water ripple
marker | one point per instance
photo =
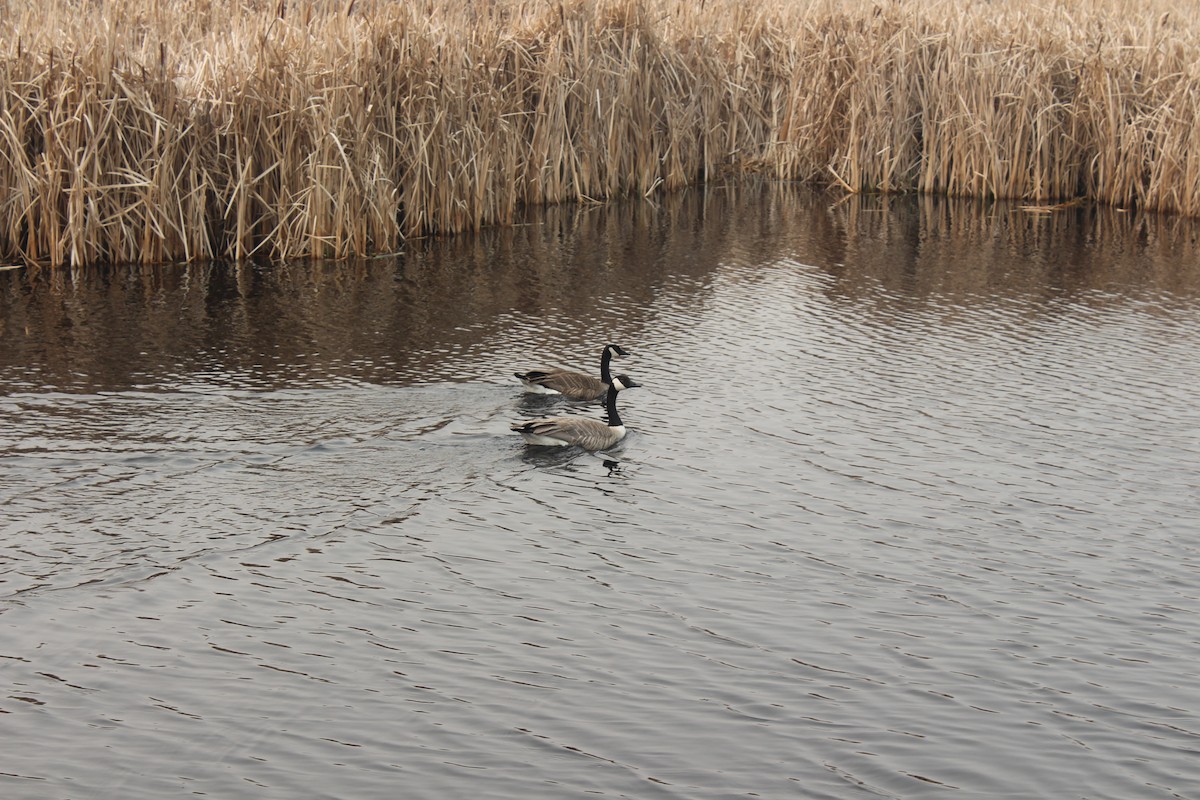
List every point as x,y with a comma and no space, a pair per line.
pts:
878,528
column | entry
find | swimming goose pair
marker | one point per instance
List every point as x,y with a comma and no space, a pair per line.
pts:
590,434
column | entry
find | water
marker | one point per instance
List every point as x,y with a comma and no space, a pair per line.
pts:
907,509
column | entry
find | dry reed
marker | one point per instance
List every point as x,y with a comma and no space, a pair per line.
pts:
147,131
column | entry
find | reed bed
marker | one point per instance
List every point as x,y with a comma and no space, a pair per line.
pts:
152,131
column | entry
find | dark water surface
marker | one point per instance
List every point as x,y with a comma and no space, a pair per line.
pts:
908,508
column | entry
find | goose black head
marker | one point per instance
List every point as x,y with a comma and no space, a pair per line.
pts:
624,382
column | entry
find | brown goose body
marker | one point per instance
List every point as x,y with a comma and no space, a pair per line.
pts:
570,384
590,434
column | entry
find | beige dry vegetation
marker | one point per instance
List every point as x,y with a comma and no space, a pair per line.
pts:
149,130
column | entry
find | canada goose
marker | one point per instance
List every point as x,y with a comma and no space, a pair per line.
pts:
572,385
590,434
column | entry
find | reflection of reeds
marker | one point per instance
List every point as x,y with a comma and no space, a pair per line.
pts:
140,130
895,258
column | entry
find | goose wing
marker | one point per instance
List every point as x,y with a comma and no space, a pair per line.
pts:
568,383
590,434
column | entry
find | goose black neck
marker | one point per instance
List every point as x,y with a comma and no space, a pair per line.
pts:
605,360
610,403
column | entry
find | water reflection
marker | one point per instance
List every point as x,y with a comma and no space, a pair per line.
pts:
429,314
960,252
570,459
906,505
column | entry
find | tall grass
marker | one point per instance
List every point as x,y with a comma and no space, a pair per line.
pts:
147,130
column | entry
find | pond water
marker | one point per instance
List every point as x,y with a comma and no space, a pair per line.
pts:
908,508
